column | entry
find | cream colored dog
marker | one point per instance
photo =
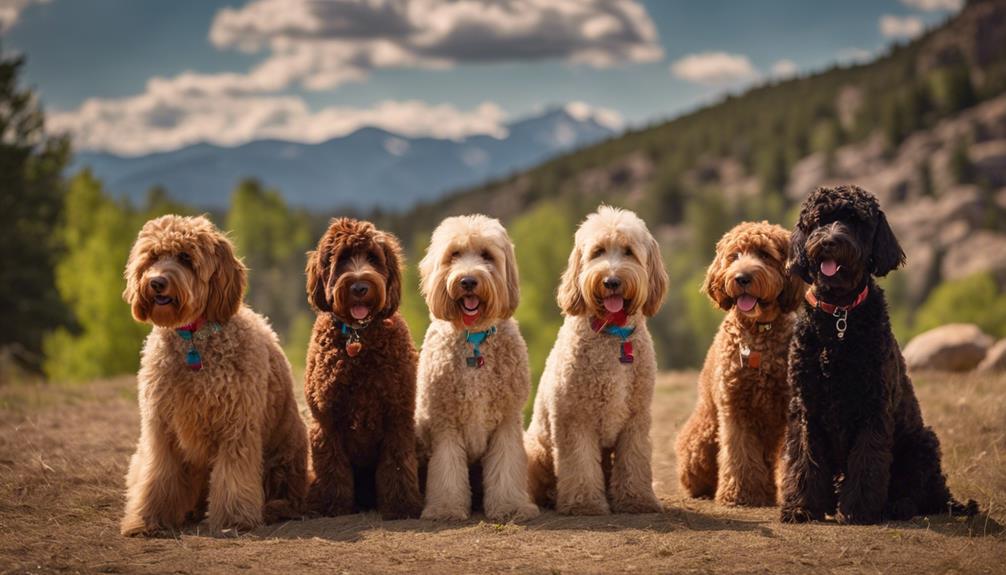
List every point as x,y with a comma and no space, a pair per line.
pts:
588,443
219,426
473,373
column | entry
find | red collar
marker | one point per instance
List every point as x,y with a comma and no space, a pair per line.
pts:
832,308
194,326
616,319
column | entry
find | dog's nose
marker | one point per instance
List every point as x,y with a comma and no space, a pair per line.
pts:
742,279
612,283
158,284
359,289
468,283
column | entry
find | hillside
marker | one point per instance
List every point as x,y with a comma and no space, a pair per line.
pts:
345,172
923,127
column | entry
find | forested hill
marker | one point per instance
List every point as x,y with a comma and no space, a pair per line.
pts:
923,126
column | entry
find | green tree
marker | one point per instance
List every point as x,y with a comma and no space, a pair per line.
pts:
31,207
543,238
105,339
272,239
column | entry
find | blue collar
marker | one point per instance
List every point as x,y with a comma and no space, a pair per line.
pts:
189,333
623,332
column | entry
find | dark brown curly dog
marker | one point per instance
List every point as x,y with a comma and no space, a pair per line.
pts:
360,380
730,446
856,446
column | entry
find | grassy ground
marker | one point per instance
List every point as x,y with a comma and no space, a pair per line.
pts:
63,453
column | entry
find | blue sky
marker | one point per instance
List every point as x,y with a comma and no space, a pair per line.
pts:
134,76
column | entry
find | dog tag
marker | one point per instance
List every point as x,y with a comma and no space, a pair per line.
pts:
353,348
475,361
193,360
626,356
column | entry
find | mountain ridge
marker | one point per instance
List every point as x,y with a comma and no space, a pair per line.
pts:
369,168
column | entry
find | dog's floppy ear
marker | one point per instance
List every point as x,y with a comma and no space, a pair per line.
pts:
569,297
393,259
793,291
798,264
887,253
712,285
658,278
133,294
512,278
315,271
226,285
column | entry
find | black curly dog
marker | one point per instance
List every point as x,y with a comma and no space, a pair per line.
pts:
856,446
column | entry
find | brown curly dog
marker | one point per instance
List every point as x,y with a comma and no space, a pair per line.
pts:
730,445
360,380
219,424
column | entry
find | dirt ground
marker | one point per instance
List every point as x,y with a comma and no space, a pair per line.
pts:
64,450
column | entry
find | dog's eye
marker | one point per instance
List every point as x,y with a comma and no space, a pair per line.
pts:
486,255
628,252
597,252
185,259
764,255
455,254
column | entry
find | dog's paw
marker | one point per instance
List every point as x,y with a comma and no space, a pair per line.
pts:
749,499
517,514
235,523
799,515
583,507
444,513
856,518
135,526
637,505
402,510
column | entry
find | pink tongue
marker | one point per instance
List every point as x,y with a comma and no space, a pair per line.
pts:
359,311
746,302
471,304
829,267
613,303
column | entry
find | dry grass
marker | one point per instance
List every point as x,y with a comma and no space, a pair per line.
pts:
63,452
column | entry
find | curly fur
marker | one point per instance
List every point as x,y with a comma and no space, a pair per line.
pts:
228,438
730,446
856,445
469,419
588,443
363,434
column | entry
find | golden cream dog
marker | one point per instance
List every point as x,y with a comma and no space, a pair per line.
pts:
588,443
473,373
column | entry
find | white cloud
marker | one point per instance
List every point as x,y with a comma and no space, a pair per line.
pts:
714,68
934,5
10,11
151,122
900,27
784,69
322,44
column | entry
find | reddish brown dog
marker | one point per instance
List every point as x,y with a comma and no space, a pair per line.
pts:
360,380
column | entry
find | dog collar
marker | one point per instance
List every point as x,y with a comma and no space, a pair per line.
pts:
190,333
832,308
352,333
476,339
841,312
614,324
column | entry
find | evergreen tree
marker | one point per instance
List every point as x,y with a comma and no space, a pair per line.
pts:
31,206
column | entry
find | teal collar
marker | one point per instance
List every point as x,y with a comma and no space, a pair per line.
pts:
189,333
476,339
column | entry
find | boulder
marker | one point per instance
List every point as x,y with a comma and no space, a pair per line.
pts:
995,358
952,347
